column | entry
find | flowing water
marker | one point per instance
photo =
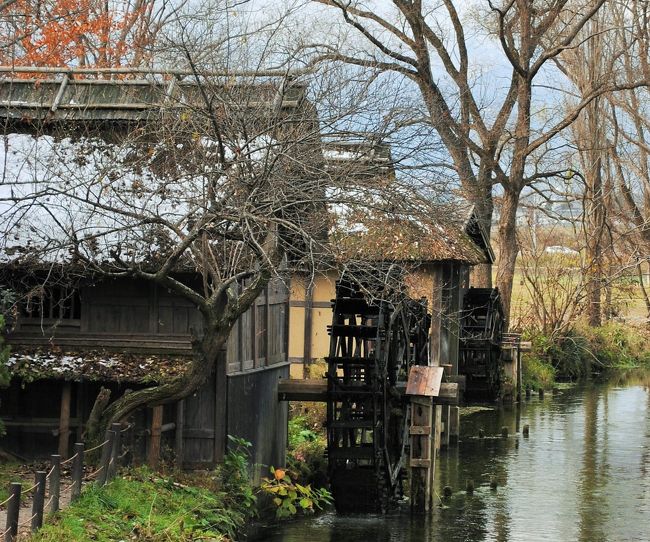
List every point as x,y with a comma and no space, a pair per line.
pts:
582,475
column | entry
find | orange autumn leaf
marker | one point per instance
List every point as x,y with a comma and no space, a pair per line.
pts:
83,33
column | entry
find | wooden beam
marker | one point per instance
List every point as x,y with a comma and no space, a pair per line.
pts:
64,419
154,440
311,389
448,394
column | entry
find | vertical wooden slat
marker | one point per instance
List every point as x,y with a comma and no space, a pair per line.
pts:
178,436
154,439
64,419
253,336
221,411
287,323
267,325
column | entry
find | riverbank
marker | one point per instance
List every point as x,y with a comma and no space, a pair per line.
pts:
582,351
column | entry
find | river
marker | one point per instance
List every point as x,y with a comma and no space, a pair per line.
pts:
583,475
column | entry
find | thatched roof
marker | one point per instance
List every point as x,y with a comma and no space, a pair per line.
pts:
377,236
55,363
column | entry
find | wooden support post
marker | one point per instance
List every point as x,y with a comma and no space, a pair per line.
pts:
435,441
309,305
116,450
437,426
64,419
178,436
55,483
39,500
420,460
520,377
154,439
77,470
13,511
454,424
444,435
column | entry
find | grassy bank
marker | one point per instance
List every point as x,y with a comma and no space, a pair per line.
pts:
143,505
582,351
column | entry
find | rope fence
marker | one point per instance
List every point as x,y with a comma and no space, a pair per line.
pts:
96,447
49,482
69,459
30,489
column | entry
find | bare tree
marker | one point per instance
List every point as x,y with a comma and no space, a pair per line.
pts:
223,186
489,144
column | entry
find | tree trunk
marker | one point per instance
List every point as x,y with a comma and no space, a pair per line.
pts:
481,274
205,355
594,211
508,247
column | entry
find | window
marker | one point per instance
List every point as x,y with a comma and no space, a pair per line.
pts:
53,302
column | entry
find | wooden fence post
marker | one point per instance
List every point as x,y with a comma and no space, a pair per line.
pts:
13,510
115,450
154,441
77,470
104,462
55,482
39,500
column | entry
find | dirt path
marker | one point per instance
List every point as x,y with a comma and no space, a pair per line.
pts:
25,513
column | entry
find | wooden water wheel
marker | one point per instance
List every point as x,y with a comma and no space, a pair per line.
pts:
373,343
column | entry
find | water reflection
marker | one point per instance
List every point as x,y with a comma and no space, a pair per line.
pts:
583,475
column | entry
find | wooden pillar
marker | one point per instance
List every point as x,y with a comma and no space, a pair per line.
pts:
444,428
520,378
64,419
437,426
309,305
154,439
422,455
454,424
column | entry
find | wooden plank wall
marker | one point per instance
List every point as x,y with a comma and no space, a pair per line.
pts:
246,404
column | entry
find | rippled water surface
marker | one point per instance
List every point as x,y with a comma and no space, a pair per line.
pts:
583,474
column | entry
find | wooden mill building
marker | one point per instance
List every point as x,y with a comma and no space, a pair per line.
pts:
437,251
73,332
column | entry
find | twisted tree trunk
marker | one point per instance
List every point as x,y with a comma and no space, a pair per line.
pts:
205,353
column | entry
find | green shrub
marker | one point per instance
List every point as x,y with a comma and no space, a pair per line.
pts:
290,497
